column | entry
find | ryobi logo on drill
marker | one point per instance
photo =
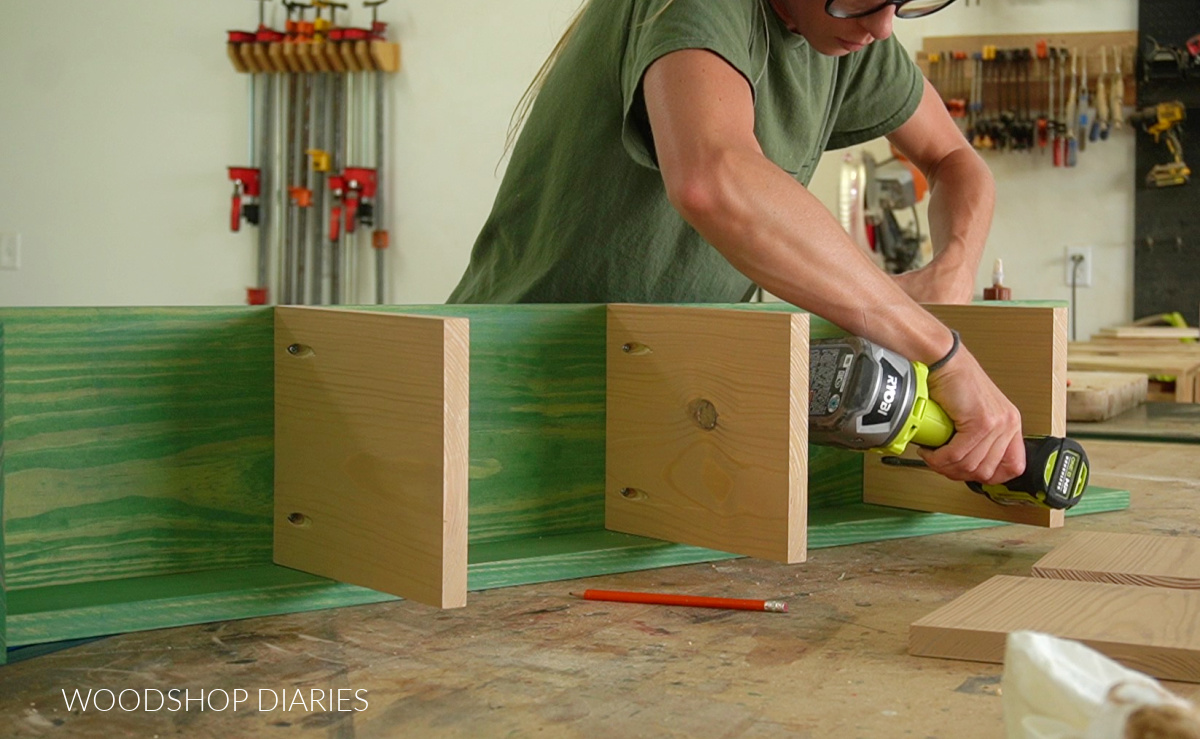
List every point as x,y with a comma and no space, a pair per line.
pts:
893,392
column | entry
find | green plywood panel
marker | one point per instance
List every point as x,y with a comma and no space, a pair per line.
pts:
139,442
3,581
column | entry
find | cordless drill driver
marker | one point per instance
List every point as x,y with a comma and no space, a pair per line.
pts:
865,397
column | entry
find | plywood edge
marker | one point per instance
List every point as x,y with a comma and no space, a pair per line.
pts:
799,327
456,460
686,437
371,450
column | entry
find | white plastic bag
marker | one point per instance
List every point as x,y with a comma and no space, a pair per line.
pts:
1059,689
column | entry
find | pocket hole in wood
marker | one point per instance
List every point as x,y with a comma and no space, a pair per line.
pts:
299,520
633,494
634,349
300,350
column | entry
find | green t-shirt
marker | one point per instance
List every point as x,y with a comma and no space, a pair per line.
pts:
582,214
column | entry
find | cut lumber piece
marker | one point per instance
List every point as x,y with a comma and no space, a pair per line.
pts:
1154,630
1184,367
1150,332
707,428
371,450
1024,351
1098,396
1126,559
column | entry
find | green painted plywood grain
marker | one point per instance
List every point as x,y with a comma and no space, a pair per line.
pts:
93,609
3,581
139,442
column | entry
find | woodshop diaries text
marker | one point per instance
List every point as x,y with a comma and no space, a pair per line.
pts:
216,699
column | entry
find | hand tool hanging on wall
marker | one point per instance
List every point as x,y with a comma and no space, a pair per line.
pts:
1043,120
1069,121
1116,104
251,184
1085,113
379,237
1100,124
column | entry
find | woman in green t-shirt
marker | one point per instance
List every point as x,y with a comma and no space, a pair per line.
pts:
664,156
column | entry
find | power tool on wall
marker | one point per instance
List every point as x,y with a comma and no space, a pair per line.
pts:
1162,121
865,397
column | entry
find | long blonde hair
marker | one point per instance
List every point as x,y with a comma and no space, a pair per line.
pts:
525,104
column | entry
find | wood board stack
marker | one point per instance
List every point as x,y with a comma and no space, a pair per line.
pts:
1168,356
1135,598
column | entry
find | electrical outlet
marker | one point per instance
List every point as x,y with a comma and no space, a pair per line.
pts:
1082,273
10,251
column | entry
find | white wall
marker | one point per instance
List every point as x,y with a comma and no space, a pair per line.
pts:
117,120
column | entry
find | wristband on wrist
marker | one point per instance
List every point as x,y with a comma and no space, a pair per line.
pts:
949,355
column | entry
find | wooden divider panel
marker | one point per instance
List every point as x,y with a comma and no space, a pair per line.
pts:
1129,559
1154,630
707,428
371,458
1024,350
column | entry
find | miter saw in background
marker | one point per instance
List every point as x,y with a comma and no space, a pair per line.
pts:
870,195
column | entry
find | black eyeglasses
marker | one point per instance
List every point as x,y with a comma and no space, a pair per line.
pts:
904,8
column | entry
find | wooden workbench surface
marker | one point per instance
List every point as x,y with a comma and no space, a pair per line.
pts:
533,661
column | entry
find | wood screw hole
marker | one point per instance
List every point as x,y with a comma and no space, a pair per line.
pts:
300,350
635,349
632,494
299,519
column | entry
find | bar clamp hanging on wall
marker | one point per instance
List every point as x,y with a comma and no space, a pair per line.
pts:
316,139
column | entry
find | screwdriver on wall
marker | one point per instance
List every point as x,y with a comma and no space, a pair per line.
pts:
1100,124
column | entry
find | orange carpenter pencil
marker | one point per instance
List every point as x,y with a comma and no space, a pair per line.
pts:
691,601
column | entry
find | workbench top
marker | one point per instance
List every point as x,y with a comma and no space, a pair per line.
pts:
533,660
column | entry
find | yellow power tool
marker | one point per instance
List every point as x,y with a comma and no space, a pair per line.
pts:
865,397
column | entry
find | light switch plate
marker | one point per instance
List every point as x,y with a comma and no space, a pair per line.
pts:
10,251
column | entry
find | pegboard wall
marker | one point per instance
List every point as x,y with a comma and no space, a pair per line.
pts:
1167,219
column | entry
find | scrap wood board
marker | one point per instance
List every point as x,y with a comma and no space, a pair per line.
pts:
1098,396
1154,630
1128,559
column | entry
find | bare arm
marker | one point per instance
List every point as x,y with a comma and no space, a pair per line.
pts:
765,223
777,233
962,199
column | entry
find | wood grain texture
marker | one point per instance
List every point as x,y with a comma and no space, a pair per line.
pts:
1024,351
385,55
1098,396
3,557
1154,630
138,442
1127,559
371,450
707,428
